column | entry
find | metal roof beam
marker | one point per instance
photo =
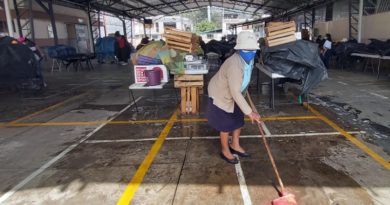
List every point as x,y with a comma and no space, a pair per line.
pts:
185,6
249,4
169,5
160,6
289,12
150,5
133,7
260,5
196,2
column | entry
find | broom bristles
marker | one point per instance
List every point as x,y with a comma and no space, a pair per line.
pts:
287,199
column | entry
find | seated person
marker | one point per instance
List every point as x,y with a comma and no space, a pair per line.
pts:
122,48
144,42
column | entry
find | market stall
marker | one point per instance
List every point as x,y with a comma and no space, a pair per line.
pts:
182,56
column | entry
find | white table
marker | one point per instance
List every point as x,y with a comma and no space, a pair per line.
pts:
140,79
273,76
139,86
372,56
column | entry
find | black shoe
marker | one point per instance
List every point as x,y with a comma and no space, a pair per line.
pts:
231,161
240,154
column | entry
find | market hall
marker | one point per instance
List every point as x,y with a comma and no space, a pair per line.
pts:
194,102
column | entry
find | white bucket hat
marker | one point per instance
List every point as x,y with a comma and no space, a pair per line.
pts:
246,40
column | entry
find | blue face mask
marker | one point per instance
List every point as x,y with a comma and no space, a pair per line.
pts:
247,55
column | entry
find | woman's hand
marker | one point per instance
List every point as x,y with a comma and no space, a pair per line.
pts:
254,117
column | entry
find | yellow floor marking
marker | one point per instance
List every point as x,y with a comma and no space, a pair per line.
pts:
139,121
192,120
135,182
351,138
289,118
124,122
46,109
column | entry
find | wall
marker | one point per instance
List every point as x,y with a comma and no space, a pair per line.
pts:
377,26
64,16
374,26
41,29
338,29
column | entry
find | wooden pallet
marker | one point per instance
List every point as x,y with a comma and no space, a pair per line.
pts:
280,33
181,40
190,86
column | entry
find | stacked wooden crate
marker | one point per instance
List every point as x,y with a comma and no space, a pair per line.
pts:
181,40
280,33
190,87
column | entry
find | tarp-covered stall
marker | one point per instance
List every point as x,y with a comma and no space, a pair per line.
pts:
18,65
298,60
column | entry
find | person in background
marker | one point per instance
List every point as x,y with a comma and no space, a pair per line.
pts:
319,40
226,104
122,49
326,50
202,45
37,54
223,39
305,35
144,41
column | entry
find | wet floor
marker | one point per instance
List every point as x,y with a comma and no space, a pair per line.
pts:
103,150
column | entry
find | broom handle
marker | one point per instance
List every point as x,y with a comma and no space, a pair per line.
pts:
266,145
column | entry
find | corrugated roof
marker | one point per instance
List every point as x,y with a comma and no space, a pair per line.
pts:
146,8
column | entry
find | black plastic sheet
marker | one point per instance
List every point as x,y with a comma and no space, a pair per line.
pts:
298,60
17,62
221,48
381,47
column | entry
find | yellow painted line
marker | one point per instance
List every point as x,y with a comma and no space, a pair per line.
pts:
35,124
46,109
289,118
135,182
192,120
351,138
139,121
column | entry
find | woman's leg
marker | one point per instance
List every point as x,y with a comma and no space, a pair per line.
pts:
225,145
236,140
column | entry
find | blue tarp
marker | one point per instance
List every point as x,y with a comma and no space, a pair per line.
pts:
105,48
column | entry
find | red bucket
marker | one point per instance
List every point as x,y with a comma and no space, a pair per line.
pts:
153,77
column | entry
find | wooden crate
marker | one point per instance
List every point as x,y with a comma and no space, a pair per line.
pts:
188,80
181,40
190,86
280,33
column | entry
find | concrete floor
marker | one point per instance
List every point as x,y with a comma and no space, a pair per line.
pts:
81,141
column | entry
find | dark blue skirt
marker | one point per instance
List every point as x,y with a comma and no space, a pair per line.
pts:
223,121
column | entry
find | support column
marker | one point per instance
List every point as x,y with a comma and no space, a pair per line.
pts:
18,18
32,30
53,21
9,18
359,36
313,18
131,30
124,27
100,34
91,40
350,18
104,26
144,28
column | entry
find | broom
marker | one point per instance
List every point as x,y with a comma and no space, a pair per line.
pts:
284,198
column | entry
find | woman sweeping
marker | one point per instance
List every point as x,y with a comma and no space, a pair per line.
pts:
227,105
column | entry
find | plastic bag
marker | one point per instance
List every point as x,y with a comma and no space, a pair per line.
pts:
298,60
